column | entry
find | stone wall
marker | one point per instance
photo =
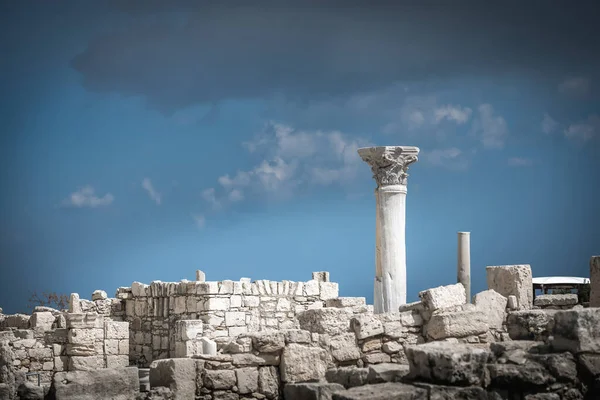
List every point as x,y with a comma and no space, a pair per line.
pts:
226,309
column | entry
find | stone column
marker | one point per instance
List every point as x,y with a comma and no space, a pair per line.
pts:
463,271
389,165
595,281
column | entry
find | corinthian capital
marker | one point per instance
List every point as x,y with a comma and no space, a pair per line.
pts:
389,163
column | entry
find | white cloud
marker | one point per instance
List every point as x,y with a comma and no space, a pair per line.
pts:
200,220
490,129
584,130
290,159
209,196
458,114
451,158
519,162
575,86
86,197
154,195
549,125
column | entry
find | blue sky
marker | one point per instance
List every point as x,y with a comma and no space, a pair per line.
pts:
145,141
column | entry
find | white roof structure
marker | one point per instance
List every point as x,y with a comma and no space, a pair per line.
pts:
560,280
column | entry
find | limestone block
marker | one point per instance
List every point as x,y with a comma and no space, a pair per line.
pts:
235,331
61,363
443,296
595,281
546,300
251,301
83,350
321,276
311,288
268,382
217,304
410,318
311,390
40,353
91,363
74,304
376,358
283,304
382,391
205,288
386,372
301,363
456,324
513,303
81,336
529,324
116,330
115,384
247,380
332,321
512,280
209,347
81,320
414,306
391,347
260,359
177,374
341,302
189,329
200,276
117,361
345,348
111,347
577,330
493,305
219,379
99,295
42,321
235,318
267,341
297,336
447,363
365,326
329,290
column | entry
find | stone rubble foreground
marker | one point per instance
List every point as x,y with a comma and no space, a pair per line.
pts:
299,340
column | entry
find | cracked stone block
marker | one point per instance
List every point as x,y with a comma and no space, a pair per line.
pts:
382,391
115,384
448,363
311,391
457,324
577,330
515,280
493,304
42,321
301,363
365,326
529,324
546,300
331,321
443,297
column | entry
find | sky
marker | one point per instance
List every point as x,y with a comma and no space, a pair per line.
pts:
142,141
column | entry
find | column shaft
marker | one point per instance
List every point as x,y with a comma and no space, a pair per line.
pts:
464,262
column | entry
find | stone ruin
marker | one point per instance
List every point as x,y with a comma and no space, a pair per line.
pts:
300,340
242,340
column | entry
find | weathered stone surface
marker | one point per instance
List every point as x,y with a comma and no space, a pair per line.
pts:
347,376
387,372
577,330
42,321
365,326
189,329
382,391
311,391
529,324
341,302
543,396
529,374
493,305
447,363
247,380
443,297
297,336
438,392
456,324
595,281
19,321
101,384
331,321
545,300
301,364
177,374
268,382
345,348
515,280
7,373
268,341
220,379
30,391
99,295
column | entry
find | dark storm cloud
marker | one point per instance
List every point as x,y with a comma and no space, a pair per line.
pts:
201,52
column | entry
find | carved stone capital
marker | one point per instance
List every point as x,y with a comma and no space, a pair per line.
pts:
389,163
